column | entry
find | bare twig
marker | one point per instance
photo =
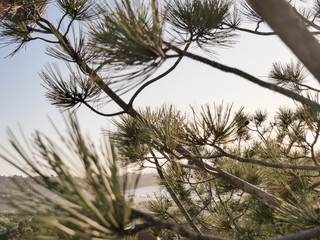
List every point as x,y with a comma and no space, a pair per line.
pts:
100,113
158,77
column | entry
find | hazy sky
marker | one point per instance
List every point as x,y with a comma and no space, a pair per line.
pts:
22,99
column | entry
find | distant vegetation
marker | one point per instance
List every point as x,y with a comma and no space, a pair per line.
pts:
22,228
14,225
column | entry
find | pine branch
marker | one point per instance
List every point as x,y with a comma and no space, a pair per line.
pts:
168,225
312,145
256,32
307,21
84,67
174,196
61,20
292,31
158,77
250,31
249,77
247,187
233,180
309,87
305,235
102,114
267,164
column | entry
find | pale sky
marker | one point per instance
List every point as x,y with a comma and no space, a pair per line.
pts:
22,99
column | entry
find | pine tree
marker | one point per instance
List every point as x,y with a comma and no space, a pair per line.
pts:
227,174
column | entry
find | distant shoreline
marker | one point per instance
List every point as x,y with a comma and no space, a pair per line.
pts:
9,189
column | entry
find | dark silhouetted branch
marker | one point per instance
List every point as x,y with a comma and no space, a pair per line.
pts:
151,221
305,235
251,78
158,77
102,114
268,164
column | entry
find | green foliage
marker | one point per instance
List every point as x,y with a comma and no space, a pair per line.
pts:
201,21
78,9
215,126
219,206
160,206
130,35
133,137
104,213
18,19
288,75
68,94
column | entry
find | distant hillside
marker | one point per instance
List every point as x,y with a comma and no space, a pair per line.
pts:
11,187
145,180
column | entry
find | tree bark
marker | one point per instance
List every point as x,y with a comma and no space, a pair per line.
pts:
286,23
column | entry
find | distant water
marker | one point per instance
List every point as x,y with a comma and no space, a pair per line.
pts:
145,193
